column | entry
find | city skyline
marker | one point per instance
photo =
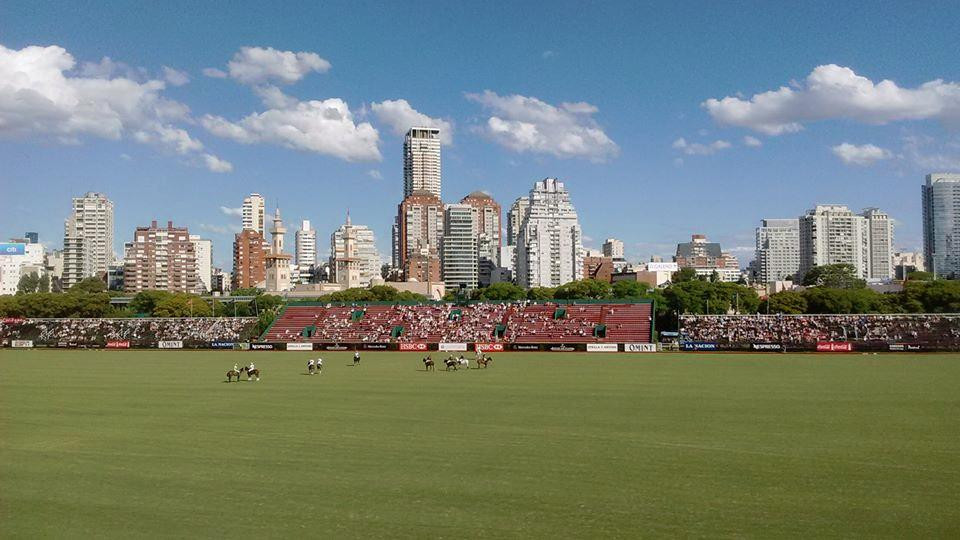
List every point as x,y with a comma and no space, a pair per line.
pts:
673,140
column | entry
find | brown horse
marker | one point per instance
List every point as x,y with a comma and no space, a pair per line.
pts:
483,361
428,364
233,373
251,373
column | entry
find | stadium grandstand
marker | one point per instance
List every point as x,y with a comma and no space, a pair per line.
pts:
128,332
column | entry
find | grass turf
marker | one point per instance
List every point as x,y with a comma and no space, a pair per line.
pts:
138,443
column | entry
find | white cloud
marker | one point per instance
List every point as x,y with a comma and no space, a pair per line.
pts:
836,92
700,149
548,54
259,65
215,164
175,77
231,211
527,124
375,174
321,126
220,229
215,73
930,154
39,98
752,142
863,155
400,116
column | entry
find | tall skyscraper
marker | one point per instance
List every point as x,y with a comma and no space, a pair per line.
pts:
87,238
248,260
203,249
778,249
253,213
460,265
306,248
420,217
515,215
32,237
277,263
486,216
613,248
707,258
941,224
421,161
360,255
832,234
161,259
879,228
549,244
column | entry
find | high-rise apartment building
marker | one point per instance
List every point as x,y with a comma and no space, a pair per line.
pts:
248,260
306,248
353,249
777,250
252,213
549,243
879,228
941,224
515,215
486,215
161,259
87,238
421,161
613,248
203,249
832,234
420,217
459,256
707,258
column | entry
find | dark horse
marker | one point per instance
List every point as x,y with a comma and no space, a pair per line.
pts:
251,373
483,361
428,364
231,374
451,363
356,359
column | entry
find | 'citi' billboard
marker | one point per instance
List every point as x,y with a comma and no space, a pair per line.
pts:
13,249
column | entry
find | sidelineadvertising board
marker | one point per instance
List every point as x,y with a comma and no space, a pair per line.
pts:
170,344
834,346
299,346
488,347
21,344
766,346
118,344
453,346
413,346
602,347
698,346
640,347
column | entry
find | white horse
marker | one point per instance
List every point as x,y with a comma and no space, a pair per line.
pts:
464,363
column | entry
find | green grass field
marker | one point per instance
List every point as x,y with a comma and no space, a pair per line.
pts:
134,444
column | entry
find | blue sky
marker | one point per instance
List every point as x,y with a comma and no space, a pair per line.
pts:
613,98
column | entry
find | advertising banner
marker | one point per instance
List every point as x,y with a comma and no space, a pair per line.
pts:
834,346
414,347
698,346
242,346
489,347
299,346
640,347
453,346
376,346
563,348
169,344
13,320
766,346
118,344
902,347
335,347
524,347
262,346
21,344
602,347
221,345
13,249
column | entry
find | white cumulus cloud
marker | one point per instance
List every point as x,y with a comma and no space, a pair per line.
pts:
231,211
400,116
527,124
259,65
40,97
752,142
375,174
862,155
700,149
837,92
215,73
175,77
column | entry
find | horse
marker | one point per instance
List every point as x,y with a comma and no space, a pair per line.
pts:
251,373
428,364
483,361
464,363
233,373
311,368
356,359
451,363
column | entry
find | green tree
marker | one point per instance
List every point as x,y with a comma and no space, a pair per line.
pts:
500,292
630,289
44,284
583,289
834,276
29,283
541,294
786,302
88,285
920,276
684,275
182,305
146,301
249,291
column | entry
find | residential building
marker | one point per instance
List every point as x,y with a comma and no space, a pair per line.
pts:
518,211
707,258
905,262
87,238
832,234
941,224
252,213
421,229
549,249
459,247
161,259
248,260
203,248
486,214
777,250
613,248
360,259
277,263
879,229
421,161
32,237
598,268
219,283
306,246
18,259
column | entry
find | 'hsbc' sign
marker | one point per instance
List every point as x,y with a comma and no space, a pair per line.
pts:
413,347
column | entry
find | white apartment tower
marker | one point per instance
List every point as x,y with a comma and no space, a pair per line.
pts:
87,238
778,250
832,234
203,250
459,246
421,161
549,243
306,248
515,215
941,224
354,260
252,213
879,243
613,248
